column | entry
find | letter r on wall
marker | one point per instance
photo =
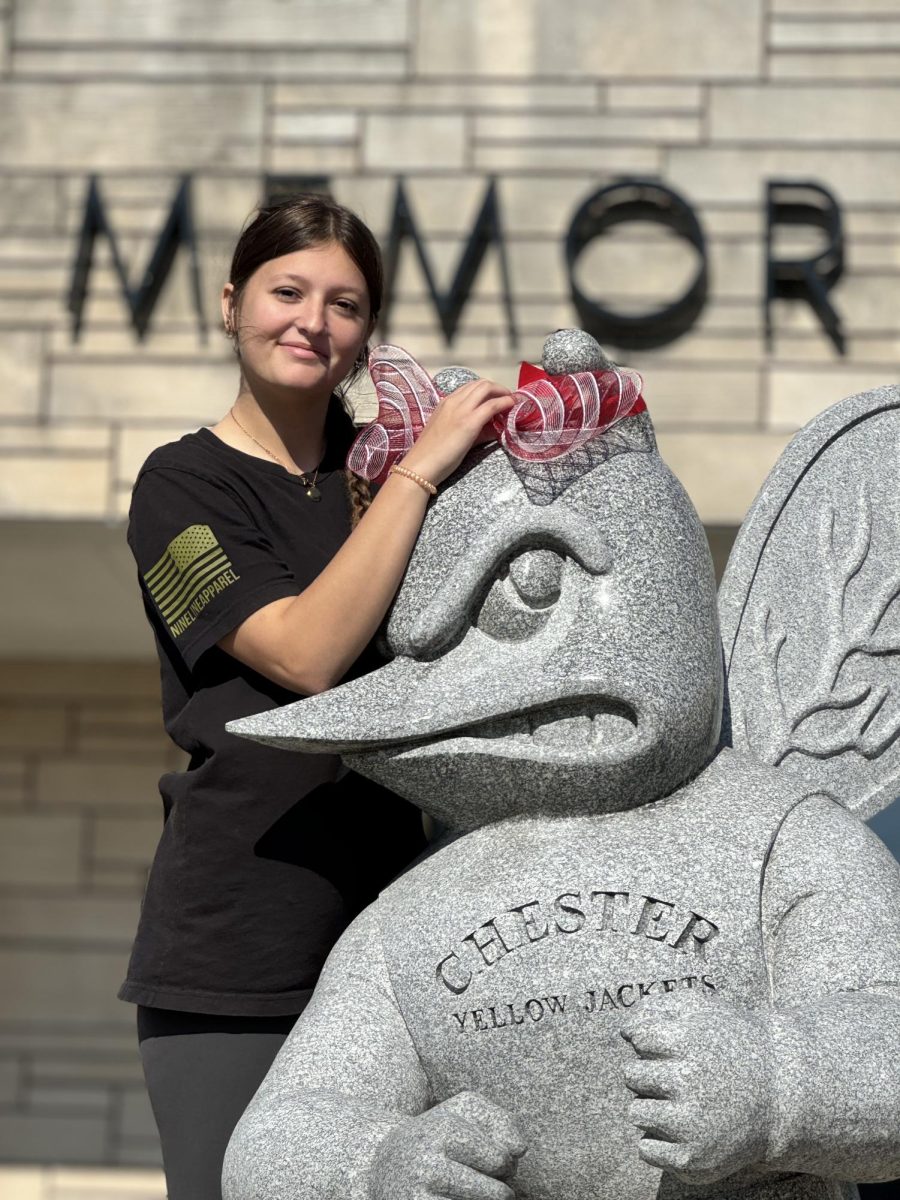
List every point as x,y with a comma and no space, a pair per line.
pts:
810,278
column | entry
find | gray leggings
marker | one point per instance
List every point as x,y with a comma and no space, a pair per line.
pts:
201,1074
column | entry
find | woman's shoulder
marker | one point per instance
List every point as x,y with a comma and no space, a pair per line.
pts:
194,452
190,470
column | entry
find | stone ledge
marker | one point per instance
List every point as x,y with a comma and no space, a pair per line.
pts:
225,64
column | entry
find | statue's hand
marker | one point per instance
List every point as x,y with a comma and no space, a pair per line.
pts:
704,1086
466,1147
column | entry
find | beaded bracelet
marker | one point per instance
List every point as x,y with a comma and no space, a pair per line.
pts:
396,469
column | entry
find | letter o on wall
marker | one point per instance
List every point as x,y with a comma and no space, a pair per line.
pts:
637,200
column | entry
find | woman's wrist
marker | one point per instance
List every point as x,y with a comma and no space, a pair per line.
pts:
429,466
400,468
399,479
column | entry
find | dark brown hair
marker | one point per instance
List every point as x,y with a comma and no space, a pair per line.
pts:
296,223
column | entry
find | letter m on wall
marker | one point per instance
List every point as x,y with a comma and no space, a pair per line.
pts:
141,299
449,305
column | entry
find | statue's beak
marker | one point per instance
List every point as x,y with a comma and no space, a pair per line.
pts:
478,688
386,706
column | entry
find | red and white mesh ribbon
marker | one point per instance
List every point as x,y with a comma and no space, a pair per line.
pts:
555,414
406,399
551,415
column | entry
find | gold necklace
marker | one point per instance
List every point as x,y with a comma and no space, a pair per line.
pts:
312,492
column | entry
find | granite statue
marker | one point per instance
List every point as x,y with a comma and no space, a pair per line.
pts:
657,953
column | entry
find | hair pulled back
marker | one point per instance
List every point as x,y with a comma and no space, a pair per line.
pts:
296,223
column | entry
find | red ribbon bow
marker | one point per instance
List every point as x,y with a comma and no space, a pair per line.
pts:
552,414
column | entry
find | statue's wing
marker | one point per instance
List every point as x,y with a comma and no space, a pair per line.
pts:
810,608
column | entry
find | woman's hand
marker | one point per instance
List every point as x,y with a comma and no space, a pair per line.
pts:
455,426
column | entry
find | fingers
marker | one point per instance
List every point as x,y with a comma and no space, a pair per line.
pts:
489,1118
454,427
493,407
476,401
480,1153
667,1156
464,1148
462,1183
659,1037
475,393
658,1118
482,1149
651,1078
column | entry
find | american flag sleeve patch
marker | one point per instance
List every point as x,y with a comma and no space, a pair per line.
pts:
191,573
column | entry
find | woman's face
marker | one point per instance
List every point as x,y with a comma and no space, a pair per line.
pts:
301,321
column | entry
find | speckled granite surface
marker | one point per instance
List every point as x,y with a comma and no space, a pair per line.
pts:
637,967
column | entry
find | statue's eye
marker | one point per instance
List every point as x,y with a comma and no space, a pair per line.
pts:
537,576
522,596
503,581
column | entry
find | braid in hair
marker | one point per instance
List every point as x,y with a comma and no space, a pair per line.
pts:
340,432
360,497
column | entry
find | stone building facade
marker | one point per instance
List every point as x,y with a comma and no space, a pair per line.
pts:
712,99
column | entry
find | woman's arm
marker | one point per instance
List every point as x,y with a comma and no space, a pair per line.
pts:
307,642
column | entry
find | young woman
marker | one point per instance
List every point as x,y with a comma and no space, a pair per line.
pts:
258,592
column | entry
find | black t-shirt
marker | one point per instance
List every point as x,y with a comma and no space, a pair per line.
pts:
265,854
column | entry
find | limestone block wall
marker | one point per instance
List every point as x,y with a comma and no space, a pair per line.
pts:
81,750
552,100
